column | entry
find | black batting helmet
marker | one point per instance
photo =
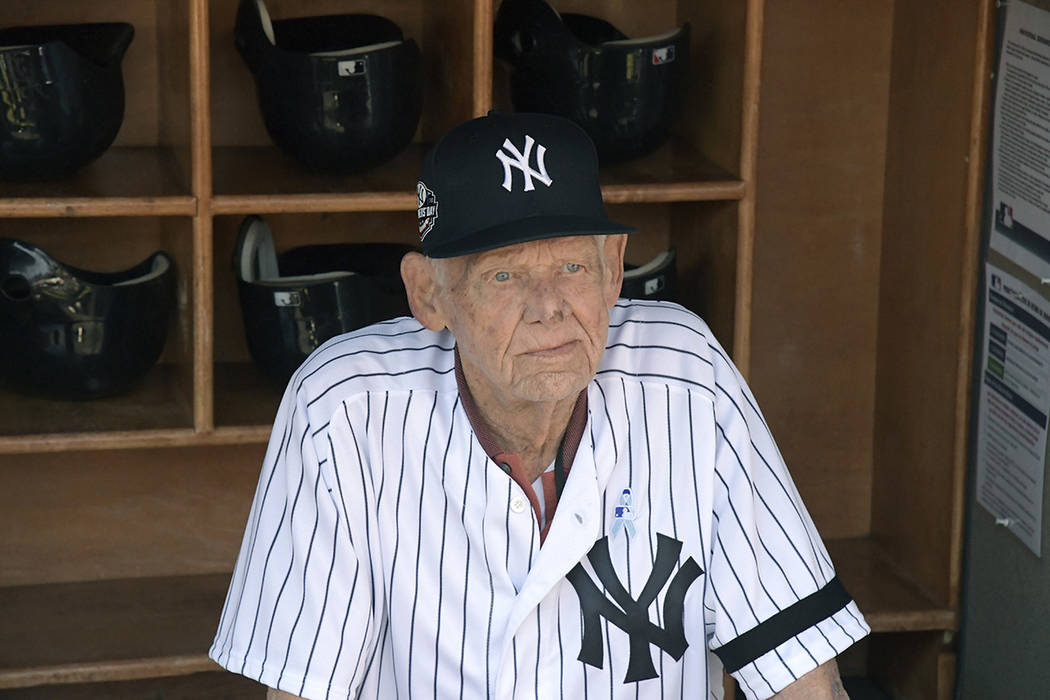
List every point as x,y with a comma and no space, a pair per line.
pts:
294,302
654,279
624,92
62,91
341,93
77,334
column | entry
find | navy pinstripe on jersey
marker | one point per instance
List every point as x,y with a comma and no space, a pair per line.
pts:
382,559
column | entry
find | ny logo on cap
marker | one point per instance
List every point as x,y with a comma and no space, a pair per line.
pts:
511,157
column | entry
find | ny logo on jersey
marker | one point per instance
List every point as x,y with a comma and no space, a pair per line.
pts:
632,615
511,157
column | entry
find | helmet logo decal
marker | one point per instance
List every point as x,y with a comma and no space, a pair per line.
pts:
352,67
511,157
426,209
285,298
664,55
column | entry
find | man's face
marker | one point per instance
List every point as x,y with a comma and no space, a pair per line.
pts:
531,319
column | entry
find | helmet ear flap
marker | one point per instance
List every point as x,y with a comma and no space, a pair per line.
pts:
254,257
265,21
253,33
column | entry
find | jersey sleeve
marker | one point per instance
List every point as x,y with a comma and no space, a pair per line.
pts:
300,614
775,608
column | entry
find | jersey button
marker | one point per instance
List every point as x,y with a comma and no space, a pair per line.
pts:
517,504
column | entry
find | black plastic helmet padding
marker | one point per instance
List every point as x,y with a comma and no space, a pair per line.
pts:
70,333
624,92
61,96
340,93
294,302
655,279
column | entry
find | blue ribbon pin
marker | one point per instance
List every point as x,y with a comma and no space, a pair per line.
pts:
624,515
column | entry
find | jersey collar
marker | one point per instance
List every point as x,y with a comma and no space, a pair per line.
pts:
569,443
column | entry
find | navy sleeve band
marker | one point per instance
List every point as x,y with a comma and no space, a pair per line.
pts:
770,634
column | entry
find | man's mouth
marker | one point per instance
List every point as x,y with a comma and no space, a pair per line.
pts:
554,351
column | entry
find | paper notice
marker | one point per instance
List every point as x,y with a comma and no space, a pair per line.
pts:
1021,141
1014,403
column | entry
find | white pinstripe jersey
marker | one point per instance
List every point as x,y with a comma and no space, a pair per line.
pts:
381,558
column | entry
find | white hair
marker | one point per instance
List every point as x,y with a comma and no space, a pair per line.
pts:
441,271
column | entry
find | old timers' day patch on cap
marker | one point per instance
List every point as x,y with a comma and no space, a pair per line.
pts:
503,179
426,209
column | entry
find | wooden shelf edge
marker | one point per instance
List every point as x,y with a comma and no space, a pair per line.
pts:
932,620
102,671
66,207
312,203
728,190
66,442
133,439
242,435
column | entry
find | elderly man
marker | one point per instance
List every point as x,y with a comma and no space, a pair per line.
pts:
532,489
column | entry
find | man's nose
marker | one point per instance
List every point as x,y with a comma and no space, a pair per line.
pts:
545,301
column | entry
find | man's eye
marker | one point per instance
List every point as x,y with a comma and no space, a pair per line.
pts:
501,276
573,267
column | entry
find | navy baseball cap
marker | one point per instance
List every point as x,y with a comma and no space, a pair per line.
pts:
508,178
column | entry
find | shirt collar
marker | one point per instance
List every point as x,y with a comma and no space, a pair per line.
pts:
570,441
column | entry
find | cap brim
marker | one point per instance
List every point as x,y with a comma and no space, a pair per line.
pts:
524,230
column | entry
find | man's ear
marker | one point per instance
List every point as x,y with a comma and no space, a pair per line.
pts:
422,287
615,245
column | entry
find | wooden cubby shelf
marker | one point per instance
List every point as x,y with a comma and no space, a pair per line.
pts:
261,179
124,181
96,631
244,397
889,600
152,404
675,172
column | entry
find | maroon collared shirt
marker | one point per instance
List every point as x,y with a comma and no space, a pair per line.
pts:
510,462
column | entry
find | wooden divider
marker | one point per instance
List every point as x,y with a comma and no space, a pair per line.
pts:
927,289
